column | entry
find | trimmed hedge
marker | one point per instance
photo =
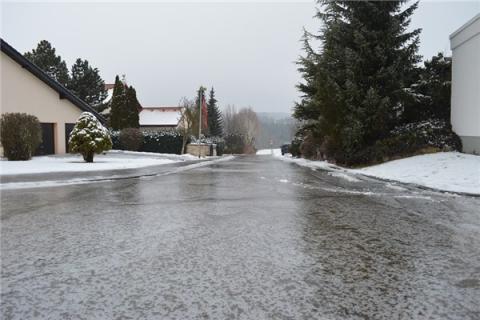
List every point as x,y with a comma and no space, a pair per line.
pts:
164,141
20,135
131,139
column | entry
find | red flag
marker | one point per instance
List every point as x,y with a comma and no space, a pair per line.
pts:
204,114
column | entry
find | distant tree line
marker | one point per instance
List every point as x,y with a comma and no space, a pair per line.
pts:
364,86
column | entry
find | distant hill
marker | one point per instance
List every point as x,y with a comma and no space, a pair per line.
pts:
274,115
276,128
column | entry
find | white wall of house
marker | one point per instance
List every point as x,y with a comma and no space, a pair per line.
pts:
465,115
22,92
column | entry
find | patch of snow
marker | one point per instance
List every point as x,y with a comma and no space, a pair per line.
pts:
100,179
283,180
74,163
345,176
160,116
269,152
448,171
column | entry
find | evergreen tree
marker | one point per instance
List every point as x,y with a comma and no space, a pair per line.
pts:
430,94
117,104
45,58
88,137
353,89
133,108
215,125
86,83
124,106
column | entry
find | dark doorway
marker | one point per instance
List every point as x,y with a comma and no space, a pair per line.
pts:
68,129
48,141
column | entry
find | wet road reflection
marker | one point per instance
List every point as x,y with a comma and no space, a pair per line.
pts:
252,238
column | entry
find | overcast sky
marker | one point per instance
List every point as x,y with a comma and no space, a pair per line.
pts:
245,50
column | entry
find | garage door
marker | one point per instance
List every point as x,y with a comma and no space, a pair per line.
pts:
48,141
68,129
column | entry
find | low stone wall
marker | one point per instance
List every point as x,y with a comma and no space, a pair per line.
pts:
204,150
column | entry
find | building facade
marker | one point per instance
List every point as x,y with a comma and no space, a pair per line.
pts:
27,89
465,114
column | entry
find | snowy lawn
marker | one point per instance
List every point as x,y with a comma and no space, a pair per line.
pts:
447,171
113,160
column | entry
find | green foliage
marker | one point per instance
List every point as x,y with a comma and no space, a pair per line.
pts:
429,96
353,87
295,146
215,124
130,139
20,135
45,58
163,141
88,137
410,139
124,107
86,83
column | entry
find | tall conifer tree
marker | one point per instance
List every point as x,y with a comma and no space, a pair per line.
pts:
45,58
215,126
353,89
85,82
124,106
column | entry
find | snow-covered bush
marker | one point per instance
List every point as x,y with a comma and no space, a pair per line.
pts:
131,139
411,139
20,135
88,137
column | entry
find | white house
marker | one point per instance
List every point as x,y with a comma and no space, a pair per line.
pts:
25,88
465,114
154,118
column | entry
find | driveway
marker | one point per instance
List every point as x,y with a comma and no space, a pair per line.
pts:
250,238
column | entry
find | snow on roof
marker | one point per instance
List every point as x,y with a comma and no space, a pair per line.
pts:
160,116
109,95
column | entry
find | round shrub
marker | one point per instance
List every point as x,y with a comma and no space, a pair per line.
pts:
20,135
131,139
89,137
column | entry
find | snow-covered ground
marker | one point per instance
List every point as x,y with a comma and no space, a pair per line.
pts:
447,171
112,160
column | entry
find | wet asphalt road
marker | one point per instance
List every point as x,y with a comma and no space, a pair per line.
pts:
251,238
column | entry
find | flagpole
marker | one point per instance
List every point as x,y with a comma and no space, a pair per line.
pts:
200,100
200,114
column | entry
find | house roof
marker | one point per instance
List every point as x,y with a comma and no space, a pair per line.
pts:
160,116
63,92
109,86
465,33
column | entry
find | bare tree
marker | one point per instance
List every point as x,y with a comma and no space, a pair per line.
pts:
188,120
250,126
244,124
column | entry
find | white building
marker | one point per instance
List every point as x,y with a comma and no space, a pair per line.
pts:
465,114
155,118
